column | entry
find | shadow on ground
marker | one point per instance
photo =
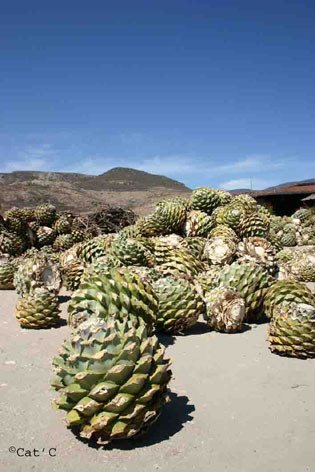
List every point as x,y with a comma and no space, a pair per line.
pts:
245,327
63,298
173,417
62,322
198,328
166,339
262,320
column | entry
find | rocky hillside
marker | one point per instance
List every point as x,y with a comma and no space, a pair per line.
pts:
128,188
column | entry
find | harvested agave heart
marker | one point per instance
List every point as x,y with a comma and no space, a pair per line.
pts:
119,293
39,309
292,330
37,271
7,271
112,379
225,310
179,304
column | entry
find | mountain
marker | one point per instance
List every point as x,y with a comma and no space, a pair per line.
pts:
82,193
123,179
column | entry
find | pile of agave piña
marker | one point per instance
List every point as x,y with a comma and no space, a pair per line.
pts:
222,257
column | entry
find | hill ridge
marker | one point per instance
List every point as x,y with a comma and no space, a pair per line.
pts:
119,186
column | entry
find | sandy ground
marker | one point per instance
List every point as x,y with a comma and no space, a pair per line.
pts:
235,407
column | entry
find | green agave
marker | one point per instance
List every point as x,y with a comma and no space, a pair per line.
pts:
251,281
96,247
72,273
246,201
112,379
180,305
45,214
253,224
39,309
11,244
63,242
7,271
205,199
230,215
119,292
173,212
130,252
285,292
63,225
45,236
165,245
292,330
198,223
181,262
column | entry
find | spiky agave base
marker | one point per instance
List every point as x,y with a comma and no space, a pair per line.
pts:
72,273
116,292
7,270
292,330
112,379
179,305
286,292
39,309
252,282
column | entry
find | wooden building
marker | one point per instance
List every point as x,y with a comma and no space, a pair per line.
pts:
286,200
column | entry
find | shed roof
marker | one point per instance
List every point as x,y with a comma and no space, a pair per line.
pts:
293,189
310,197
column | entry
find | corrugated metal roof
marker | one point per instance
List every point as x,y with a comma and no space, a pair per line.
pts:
310,197
294,189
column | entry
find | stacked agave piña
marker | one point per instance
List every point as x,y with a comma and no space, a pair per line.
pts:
208,236
286,292
112,375
38,227
37,271
216,256
38,309
179,304
39,249
291,307
251,281
225,310
112,378
297,263
220,256
292,330
7,271
37,282
116,292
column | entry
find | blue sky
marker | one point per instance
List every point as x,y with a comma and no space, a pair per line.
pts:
207,92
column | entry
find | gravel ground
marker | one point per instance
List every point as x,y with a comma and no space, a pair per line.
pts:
234,407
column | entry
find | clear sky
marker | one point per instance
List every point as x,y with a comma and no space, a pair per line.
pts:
209,92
